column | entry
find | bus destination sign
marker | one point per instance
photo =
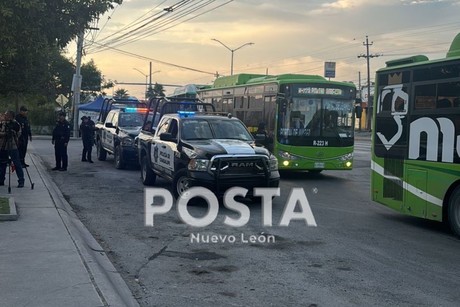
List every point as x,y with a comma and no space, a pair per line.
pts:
320,91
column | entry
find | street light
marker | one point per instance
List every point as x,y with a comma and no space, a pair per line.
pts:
232,51
146,79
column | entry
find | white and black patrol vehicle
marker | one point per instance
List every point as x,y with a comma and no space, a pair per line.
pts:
118,124
190,148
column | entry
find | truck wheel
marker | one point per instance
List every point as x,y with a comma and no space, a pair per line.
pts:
101,153
147,175
180,183
118,155
454,212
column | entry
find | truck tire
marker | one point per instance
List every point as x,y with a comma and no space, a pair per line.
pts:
454,212
101,153
118,157
180,182
147,175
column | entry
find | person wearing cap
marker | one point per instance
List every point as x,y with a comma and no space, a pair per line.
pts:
61,137
87,128
26,134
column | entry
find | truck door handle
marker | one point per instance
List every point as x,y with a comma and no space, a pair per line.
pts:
163,146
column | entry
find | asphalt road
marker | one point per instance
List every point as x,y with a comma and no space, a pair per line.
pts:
361,253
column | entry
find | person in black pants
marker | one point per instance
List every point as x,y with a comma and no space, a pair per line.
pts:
87,136
61,137
26,134
9,132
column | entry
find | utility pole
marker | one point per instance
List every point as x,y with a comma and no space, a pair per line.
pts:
360,98
150,78
369,102
76,83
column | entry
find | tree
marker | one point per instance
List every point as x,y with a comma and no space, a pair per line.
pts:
91,77
121,93
157,90
32,32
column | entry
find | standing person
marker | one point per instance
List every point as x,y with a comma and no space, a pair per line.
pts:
87,136
26,134
9,132
61,137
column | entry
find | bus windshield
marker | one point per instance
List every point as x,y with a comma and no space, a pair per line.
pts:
307,118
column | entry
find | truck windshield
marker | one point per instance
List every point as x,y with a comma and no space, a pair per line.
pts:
203,129
131,119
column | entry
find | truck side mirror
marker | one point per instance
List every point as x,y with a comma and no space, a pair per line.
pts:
166,136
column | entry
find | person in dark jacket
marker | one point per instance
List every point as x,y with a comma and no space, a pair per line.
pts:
10,130
61,137
87,127
26,134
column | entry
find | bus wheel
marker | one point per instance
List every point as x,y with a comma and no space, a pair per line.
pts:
454,211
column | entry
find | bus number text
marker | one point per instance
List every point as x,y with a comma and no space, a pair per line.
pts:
320,143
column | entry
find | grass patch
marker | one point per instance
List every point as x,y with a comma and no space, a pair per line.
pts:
4,205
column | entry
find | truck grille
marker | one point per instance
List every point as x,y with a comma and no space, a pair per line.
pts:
233,165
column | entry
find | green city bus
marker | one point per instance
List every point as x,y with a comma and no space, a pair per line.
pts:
416,137
307,121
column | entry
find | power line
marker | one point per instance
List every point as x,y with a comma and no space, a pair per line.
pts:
157,61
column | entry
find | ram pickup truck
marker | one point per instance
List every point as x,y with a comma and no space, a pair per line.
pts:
217,152
116,134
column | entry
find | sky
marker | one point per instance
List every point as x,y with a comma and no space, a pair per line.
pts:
288,36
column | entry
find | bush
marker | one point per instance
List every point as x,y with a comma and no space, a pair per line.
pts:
42,113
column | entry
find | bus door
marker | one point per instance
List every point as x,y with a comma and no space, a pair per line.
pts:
270,113
414,193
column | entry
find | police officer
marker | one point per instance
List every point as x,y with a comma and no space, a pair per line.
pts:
61,137
87,136
26,134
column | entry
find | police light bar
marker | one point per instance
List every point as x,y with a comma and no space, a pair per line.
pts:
136,110
186,113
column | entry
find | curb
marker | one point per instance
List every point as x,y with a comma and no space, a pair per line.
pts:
112,289
13,215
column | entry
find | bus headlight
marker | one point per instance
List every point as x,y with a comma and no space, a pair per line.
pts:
273,163
347,157
287,156
200,165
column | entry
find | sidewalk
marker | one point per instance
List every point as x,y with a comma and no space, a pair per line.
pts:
48,257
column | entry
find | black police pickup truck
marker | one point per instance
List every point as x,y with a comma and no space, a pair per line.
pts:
196,149
118,125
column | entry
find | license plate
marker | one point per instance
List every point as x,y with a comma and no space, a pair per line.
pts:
319,164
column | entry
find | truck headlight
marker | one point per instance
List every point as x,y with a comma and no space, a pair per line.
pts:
200,165
273,163
127,142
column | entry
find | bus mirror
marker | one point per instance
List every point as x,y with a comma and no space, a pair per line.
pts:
358,111
283,104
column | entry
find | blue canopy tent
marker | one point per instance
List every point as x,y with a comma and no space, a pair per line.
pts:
92,108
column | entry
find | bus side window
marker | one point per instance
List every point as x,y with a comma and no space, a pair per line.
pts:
457,102
443,103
